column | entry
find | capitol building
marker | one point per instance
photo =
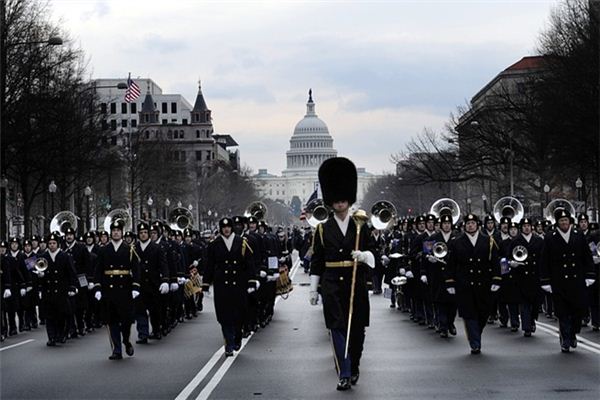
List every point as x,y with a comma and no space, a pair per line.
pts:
310,145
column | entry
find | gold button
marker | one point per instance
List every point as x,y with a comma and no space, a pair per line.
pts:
479,271
226,271
110,286
146,270
472,283
479,283
470,259
566,276
565,266
226,261
235,262
442,268
226,282
234,272
575,276
146,261
471,271
573,264
234,282
341,278
341,250
526,273
478,259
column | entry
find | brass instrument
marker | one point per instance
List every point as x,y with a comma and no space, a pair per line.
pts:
520,253
283,285
41,264
509,207
446,206
118,214
318,212
193,286
439,251
180,218
555,205
63,221
256,209
383,215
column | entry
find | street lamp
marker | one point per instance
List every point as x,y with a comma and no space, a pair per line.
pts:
88,194
167,205
3,186
546,191
190,207
469,205
179,204
52,189
150,202
579,185
484,198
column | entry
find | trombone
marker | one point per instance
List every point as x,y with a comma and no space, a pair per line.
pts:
318,211
180,219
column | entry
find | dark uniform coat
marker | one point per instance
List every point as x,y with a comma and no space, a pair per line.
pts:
472,271
229,272
565,266
527,276
436,272
59,278
81,262
509,292
330,245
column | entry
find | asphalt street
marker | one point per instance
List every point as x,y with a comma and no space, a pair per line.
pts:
292,359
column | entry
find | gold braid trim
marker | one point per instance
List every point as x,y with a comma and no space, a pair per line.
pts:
132,253
246,245
320,230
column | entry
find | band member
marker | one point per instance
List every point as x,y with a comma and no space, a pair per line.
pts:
593,295
526,275
435,276
473,276
92,318
335,257
251,321
21,280
104,239
567,269
117,285
423,307
6,285
81,262
489,226
193,254
229,261
58,282
154,281
508,298
29,302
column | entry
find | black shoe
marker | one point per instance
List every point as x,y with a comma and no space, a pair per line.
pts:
491,320
89,329
452,330
476,351
34,325
574,343
156,336
51,343
129,349
81,332
596,328
115,356
444,334
564,349
228,353
344,384
2,338
63,340
237,347
514,329
533,326
354,378
142,341
73,335
503,325
42,322
12,332
392,306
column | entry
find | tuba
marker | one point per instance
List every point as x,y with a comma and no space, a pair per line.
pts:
118,214
383,215
446,207
509,207
557,204
318,211
180,218
520,253
41,264
62,221
256,209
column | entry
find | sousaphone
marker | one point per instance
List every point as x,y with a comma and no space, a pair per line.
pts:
63,221
446,206
118,214
555,205
509,207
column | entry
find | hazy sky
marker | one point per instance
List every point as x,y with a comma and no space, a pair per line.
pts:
380,71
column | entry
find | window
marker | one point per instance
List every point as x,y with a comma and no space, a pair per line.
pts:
113,108
174,120
113,140
165,109
182,156
173,108
123,108
184,121
124,123
113,124
197,134
164,121
104,125
175,156
208,155
133,108
181,135
103,108
147,135
169,135
133,123
198,155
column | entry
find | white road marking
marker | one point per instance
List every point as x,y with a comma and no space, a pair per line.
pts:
580,345
218,376
580,339
17,344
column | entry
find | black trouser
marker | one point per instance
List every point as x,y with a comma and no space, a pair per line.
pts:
446,313
528,313
509,311
12,305
232,333
189,305
350,365
569,326
549,302
250,318
116,330
56,322
148,303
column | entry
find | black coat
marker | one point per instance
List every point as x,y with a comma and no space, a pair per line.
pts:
436,272
565,266
420,291
527,276
509,292
229,272
330,245
472,270
59,279
153,267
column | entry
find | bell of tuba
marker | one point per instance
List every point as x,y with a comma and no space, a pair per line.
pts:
41,264
557,204
62,221
118,214
509,207
440,250
446,206
520,253
383,214
317,212
180,218
256,209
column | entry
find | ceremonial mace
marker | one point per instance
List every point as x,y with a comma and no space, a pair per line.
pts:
360,217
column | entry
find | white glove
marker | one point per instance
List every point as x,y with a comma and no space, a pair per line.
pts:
71,293
29,289
263,274
163,288
181,280
513,263
596,259
40,274
195,263
424,279
23,292
90,285
134,294
432,259
451,290
98,295
174,287
402,271
589,282
360,256
7,293
385,260
251,290
495,288
314,285
40,295
547,288
272,278
409,274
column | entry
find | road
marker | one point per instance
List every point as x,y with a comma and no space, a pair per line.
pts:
292,359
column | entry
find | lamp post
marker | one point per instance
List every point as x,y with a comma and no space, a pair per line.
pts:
167,205
88,194
150,202
579,185
484,198
179,204
469,205
3,186
52,189
546,191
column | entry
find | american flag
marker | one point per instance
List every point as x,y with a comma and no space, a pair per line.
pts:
133,90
